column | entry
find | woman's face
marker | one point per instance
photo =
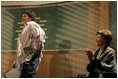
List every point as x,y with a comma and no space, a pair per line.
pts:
100,41
25,18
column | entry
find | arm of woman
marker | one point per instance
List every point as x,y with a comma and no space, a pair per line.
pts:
105,64
89,53
108,62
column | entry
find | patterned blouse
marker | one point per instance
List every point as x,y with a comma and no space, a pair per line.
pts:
32,37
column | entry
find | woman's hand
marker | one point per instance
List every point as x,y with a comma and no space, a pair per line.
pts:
88,52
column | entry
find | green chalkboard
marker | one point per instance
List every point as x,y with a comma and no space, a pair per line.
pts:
66,26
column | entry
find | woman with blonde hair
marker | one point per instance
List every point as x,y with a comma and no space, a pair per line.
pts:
102,62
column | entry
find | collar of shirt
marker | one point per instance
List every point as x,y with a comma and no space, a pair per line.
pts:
29,23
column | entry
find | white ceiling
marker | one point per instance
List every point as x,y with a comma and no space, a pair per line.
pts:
12,3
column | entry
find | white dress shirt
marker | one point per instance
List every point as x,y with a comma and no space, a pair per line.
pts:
31,32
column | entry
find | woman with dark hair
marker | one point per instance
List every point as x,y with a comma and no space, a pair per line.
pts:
102,62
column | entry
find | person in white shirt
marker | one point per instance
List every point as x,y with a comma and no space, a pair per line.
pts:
29,46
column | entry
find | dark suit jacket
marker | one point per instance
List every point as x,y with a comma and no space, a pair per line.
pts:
106,63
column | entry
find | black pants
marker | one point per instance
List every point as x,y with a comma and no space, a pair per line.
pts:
28,70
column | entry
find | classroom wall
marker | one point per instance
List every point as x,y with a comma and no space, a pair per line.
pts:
65,25
99,18
72,25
